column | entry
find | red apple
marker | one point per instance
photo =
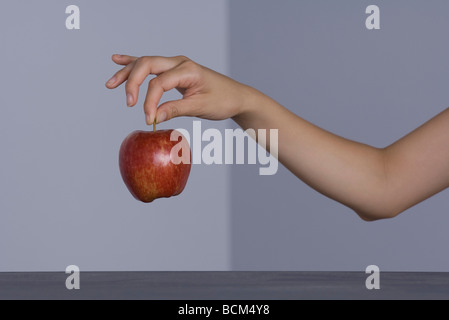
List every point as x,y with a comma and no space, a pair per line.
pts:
147,165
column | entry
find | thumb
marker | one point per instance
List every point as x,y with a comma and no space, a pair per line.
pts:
173,109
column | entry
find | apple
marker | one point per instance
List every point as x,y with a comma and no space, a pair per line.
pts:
147,165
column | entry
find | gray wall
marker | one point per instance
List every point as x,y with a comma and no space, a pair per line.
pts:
62,200
318,59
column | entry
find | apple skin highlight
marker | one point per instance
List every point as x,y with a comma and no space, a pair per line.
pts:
146,167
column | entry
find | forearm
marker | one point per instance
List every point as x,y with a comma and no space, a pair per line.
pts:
346,171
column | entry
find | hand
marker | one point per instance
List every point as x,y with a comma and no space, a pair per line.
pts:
205,93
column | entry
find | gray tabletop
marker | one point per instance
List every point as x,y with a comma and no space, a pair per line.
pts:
224,285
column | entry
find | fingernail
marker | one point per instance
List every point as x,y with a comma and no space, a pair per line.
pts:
148,119
111,81
129,100
162,117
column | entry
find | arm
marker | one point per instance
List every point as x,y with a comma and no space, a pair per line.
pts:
375,183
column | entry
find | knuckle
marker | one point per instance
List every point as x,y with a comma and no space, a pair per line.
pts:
139,60
189,64
155,82
122,72
142,60
182,58
118,74
192,69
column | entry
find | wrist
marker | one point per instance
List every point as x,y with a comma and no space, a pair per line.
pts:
254,104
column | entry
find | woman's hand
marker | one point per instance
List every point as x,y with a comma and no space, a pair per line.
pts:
206,93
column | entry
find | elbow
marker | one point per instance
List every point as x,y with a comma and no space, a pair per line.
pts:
383,202
371,215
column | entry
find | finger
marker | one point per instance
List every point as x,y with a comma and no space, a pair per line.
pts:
120,76
123,59
142,68
171,79
173,109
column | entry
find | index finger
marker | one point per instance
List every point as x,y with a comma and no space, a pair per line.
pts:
123,59
144,66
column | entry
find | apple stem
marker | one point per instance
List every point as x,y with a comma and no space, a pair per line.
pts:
154,125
